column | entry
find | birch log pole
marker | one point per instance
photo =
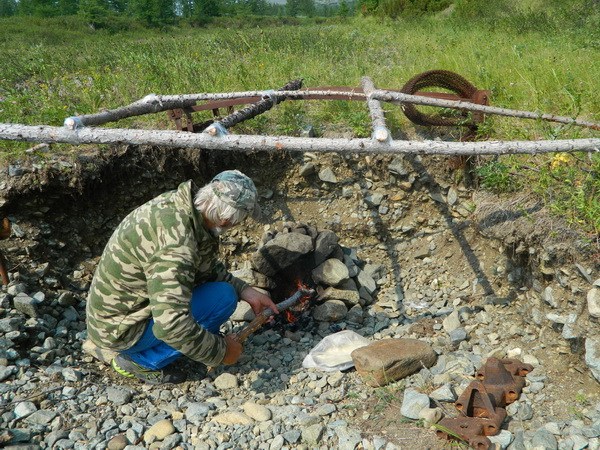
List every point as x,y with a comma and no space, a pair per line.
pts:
184,139
380,131
157,103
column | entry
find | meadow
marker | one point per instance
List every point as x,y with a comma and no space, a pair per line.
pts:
530,60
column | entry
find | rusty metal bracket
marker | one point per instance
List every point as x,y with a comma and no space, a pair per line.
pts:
482,404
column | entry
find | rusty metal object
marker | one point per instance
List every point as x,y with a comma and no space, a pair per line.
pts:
452,82
482,404
460,89
4,234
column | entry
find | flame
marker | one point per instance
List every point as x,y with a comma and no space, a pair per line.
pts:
301,305
290,317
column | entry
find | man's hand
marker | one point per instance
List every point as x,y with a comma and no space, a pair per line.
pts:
234,349
257,300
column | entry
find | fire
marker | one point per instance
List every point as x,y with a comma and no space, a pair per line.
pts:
290,317
302,304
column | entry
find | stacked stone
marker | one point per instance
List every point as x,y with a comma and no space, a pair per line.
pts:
346,284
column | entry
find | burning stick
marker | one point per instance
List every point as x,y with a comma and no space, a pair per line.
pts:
302,293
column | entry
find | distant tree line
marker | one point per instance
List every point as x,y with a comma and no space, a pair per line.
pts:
156,13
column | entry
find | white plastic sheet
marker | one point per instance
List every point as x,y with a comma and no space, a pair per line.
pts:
333,352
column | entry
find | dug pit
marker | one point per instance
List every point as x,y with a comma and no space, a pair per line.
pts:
470,274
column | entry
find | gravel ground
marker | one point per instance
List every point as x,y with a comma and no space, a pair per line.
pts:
444,274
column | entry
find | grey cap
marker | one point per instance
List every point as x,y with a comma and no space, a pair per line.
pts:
237,190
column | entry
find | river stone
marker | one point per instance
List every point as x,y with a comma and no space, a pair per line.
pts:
330,311
258,412
593,302
413,403
233,418
544,439
26,305
444,393
452,322
118,396
281,252
331,273
9,324
159,431
325,244
327,175
226,381
118,442
503,439
388,360
23,409
312,435
592,356
430,416
366,282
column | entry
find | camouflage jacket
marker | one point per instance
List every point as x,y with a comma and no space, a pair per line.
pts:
149,267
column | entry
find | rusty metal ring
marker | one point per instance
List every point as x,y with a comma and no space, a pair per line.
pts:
437,78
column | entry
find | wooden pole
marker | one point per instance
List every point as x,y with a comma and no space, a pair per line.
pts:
156,103
265,104
185,139
380,131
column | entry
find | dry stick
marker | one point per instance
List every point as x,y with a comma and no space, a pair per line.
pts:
380,131
183,139
267,102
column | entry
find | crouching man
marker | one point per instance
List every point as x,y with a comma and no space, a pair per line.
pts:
160,292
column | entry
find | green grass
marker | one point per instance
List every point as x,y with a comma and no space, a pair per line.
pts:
55,68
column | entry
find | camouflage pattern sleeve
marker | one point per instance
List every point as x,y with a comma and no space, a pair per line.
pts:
170,278
221,274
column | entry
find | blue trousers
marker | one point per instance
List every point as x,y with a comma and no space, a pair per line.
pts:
211,305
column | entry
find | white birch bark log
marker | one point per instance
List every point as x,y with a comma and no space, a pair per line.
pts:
157,103
380,131
185,139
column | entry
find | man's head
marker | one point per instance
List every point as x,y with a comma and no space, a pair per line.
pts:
227,200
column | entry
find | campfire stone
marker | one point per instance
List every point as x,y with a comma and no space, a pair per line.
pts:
330,311
325,244
388,360
355,314
331,273
349,297
366,281
281,252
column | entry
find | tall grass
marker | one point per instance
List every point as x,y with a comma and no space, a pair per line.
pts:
54,68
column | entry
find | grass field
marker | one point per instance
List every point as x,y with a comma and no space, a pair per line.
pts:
54,68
